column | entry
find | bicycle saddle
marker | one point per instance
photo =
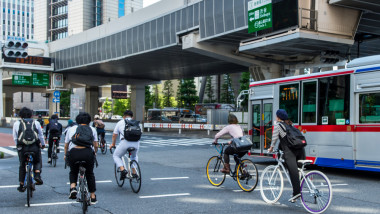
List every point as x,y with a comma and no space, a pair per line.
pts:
29,153
131,149
305,161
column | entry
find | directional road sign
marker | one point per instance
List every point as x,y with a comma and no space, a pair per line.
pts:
259,15
57,94
56,100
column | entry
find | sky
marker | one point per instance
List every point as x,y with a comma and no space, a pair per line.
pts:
149,2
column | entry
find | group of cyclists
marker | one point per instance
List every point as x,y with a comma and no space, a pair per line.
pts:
81,144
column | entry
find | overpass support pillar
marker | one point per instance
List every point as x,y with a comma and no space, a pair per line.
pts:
8,104
138,101
265,72
92,100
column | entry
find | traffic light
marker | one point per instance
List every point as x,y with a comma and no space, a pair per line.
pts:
16,49
330,57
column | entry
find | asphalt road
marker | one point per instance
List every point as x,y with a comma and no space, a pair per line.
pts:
174,181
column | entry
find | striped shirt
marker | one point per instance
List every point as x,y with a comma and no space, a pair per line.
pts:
277,133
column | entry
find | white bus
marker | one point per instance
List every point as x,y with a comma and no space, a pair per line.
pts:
338,112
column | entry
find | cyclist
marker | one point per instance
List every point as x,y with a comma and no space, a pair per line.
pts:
99,125
81,150
121,150
291,156
235,131
70,123
54,129
21,130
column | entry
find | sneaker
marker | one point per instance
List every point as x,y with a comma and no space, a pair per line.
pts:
93,201
73,193
21,188
294,198
123,175
37,178
49,160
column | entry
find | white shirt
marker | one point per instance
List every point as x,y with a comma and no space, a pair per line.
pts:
70,133
119,129
16,128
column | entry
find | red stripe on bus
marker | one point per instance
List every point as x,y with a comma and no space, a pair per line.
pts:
311,158
302,78
339,128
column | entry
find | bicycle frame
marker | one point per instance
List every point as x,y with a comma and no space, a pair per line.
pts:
221,152
28,166
128,167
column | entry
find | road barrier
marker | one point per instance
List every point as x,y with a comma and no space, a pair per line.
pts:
180,126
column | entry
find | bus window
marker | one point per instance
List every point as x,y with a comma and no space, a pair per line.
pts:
309,102
334,100
369,108
289,100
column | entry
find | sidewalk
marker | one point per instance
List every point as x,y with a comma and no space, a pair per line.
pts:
6,140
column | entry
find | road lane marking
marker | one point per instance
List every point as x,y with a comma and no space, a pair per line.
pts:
51,204
106,181
238,190
167,195
339,184
8,151
9,186
168,178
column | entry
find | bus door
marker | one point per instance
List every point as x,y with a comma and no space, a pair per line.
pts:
262,113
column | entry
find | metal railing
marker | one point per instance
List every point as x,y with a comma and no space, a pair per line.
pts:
308,19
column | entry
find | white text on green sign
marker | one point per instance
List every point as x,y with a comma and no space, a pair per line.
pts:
259,15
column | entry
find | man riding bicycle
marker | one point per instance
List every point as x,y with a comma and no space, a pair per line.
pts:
54,129
235,131
99,125
28,136
124,144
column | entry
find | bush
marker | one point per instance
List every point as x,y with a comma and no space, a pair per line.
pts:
1,155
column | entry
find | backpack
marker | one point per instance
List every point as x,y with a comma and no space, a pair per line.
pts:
99,124
54,126
28,133
83,136
132,130
294,137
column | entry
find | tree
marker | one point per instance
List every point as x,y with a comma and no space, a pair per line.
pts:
187,95
157,97
227,92
168,94
244,85
209,90
148,97
107,106
121,105
65,103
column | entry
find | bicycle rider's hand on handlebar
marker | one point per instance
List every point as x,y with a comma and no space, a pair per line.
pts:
270,150
112,146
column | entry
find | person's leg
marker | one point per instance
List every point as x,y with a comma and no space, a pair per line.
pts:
227,152
22,171
89,158
37,165
119,152
50,149
291,162
74,169
134,153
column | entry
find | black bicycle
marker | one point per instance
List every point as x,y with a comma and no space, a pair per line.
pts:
29,182
54,155
102,144
245,172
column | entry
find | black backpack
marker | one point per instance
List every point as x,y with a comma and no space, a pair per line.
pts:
83,136
132,130
27,132
294,137
54,127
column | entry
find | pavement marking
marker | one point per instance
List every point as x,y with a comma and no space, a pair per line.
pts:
339,184
168,178
2,149
167,195
9,186
106,181
237,190
51,204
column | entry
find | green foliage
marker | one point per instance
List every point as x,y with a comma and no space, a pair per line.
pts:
157,96
227,92
168,93
148,97
65,103
187,94
107,106
120,105
1,154
209,91
244,85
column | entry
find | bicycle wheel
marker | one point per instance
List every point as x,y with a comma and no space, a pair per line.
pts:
28,186
271,184
103,146
119,182
247,175
316,192
135,180
83,196
215,177
54,156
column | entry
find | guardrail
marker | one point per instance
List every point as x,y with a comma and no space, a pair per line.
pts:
179,126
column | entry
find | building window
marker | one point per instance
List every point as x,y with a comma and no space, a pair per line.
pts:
309,102
289,100
369,108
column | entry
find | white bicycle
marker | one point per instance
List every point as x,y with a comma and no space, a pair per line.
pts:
316,189
134,178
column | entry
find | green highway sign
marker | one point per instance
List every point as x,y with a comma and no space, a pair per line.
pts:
39,79
31,79
259,15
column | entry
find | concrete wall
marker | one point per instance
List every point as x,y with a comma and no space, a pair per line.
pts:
41,20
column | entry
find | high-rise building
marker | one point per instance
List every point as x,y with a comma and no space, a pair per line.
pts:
129,6
17,18
58,19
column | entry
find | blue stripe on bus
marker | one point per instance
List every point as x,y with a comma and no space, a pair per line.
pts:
347,164
367,69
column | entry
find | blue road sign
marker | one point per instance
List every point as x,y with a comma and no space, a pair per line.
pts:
56,100
57,94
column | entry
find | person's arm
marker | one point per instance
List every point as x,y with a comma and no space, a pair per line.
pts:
66,147
16,127
40,134
47,130
95,143
67,142
115,135
61,128
275,137
221,133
